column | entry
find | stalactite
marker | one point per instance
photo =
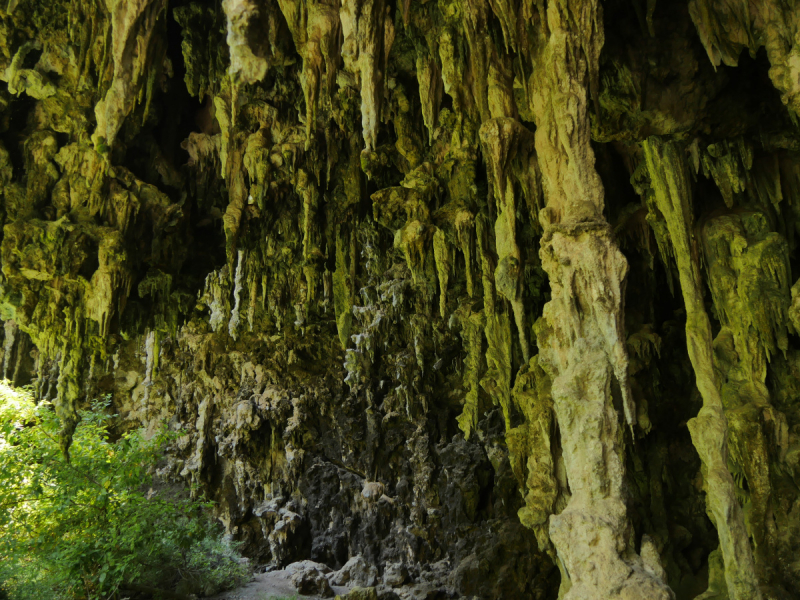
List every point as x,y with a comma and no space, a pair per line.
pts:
110,284
233,324
343,291
749,276
472,326
136,48
487,272
503,140
429,76
316,31
246,20
672,196
238,195
444,264
726,28
464,224
307,187
530,448
463,367
497,379
368,35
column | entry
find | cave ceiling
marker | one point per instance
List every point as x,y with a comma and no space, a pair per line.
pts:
501,295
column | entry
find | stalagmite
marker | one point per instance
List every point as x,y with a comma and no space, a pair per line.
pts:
672,196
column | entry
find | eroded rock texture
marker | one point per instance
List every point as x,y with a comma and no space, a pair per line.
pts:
456,298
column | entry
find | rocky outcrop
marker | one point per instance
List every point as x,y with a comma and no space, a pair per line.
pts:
488,299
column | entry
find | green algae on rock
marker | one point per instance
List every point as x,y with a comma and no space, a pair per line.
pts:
495,294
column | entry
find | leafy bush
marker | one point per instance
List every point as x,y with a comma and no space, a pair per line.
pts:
86,529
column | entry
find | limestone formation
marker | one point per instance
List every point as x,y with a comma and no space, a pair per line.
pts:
454,298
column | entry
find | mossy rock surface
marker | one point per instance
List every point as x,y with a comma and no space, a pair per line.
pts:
519,266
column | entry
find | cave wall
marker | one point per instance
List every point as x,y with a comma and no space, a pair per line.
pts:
498,295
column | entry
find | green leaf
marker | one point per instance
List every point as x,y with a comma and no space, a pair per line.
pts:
86,522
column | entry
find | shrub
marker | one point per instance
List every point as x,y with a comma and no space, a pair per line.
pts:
86,529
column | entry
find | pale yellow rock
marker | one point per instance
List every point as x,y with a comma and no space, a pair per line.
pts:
316,31
360,593
368,37
135,46
246,20
726,28
669,176
506,144
581,335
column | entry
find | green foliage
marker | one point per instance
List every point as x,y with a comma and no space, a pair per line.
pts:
88,528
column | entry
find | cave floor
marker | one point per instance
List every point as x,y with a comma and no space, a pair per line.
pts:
269,586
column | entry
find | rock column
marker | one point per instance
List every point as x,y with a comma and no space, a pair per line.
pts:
669,179
582,334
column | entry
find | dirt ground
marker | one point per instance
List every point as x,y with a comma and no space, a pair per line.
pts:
271,586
